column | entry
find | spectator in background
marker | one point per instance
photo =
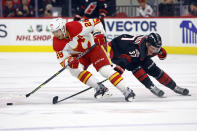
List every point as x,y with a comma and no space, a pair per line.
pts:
14,2
41,6
58,8
9,10
187,2
55,3
91,9
144,9
48,10
166,8
193,8
25,9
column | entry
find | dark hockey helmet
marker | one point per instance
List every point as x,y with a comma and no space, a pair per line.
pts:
154,39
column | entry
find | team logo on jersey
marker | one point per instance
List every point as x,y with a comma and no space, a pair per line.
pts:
189,32
134,53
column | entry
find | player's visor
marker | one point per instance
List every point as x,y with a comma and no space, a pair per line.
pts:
154,49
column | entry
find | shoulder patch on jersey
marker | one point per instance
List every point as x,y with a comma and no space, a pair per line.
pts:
96,21
73,28
58,45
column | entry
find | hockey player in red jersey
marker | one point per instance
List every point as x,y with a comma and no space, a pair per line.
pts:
71,39
134,54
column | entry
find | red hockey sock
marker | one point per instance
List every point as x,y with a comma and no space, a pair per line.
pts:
84,76
115,78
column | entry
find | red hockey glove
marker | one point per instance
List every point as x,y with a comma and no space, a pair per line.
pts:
162,54
99,39
119,69
73,62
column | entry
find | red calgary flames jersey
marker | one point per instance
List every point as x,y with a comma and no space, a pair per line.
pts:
80,38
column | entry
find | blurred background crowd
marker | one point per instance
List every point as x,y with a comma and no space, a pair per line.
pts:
97,8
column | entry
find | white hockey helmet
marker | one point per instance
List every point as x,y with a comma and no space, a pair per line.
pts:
57,24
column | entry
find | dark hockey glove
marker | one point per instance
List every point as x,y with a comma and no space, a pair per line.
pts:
101,16
77,18
162,54
119,69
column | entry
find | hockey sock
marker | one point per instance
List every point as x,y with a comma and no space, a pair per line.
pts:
115,78
142,76
87,78
167,81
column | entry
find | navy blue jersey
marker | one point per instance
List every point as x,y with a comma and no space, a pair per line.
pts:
91,8
129,51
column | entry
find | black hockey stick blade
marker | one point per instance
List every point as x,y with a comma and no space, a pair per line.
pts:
55,99
27,95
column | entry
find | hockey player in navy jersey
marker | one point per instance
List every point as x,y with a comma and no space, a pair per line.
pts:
91,9
134,54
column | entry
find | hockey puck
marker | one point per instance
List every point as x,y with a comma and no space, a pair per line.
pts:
9,104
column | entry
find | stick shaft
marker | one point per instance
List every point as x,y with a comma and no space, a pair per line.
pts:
79,56
79,92
46,81
74,94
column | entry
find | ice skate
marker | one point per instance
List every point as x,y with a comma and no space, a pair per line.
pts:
101,90
129,95
182,91
156,91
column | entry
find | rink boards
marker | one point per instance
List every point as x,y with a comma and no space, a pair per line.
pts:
179,35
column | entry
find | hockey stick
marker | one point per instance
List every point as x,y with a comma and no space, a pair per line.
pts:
55,98
80,55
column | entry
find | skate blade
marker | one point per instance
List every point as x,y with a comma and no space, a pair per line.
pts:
187,95
162,96
131,99
106,95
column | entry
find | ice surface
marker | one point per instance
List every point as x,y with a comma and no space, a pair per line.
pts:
20,73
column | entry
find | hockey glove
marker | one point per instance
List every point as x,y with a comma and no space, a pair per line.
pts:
101,16
77,18
119,69
73,62
99,39
162,54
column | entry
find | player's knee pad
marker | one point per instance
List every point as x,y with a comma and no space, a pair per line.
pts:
108,72
142,76
154,70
